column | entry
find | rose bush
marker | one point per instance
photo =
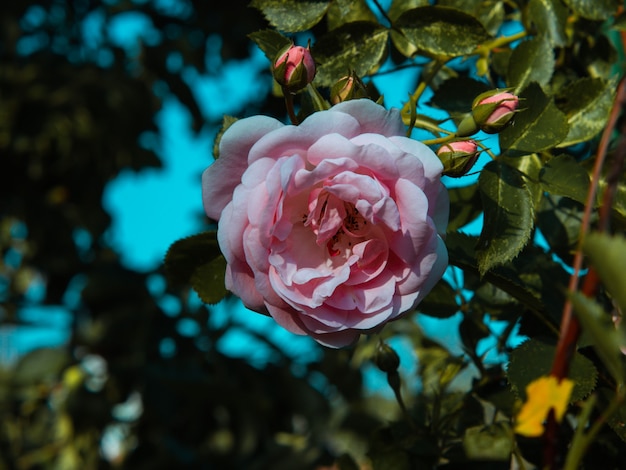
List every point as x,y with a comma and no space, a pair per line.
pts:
332,227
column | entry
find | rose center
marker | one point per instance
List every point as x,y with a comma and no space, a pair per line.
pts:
337,224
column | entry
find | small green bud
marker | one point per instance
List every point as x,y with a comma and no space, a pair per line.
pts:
347,88
386,358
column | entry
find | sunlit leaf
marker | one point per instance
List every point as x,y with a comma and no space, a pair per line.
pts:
341,12
607,340
292,15
489,13
594,9
400,6
608,256
587,104
441,31
550,19
41,366
508,207
531,61
356,46
490,442
539,125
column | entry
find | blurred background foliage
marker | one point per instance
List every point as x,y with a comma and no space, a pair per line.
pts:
76,108
133,390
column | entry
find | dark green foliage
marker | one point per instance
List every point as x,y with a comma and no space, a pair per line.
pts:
75,114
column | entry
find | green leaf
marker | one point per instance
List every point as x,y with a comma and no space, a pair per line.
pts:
227,121
489,13
270,42
540,125
348,11
457,94
356,46
534,280
41,366
440,301
441,32
187,255
529,166
619,23
492,442
208,280
550,19
559,220
608,255
606,339
587,104
464,206
398,7
617,420
508,207
594,9
533,359
531,61
564,176
292,15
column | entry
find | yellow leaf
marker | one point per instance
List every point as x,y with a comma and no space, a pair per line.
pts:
543,394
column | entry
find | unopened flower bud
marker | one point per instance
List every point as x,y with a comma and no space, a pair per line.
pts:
386,358
494,109
458,157
294,68
347,88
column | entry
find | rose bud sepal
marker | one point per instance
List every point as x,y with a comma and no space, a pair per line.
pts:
294,68
458,157
494,110
347,88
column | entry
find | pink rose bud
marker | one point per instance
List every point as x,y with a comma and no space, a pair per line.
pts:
458,157
347,88
494,110
294,68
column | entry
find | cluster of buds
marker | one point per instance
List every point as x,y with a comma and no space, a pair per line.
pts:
491,112
294,68
458,157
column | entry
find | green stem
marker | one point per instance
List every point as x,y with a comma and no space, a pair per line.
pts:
441,140
499,42
393,379
411,105
582,440
487,150
289,105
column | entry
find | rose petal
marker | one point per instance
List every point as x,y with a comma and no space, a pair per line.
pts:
221,178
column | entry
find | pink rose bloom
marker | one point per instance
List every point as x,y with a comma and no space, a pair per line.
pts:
332,227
